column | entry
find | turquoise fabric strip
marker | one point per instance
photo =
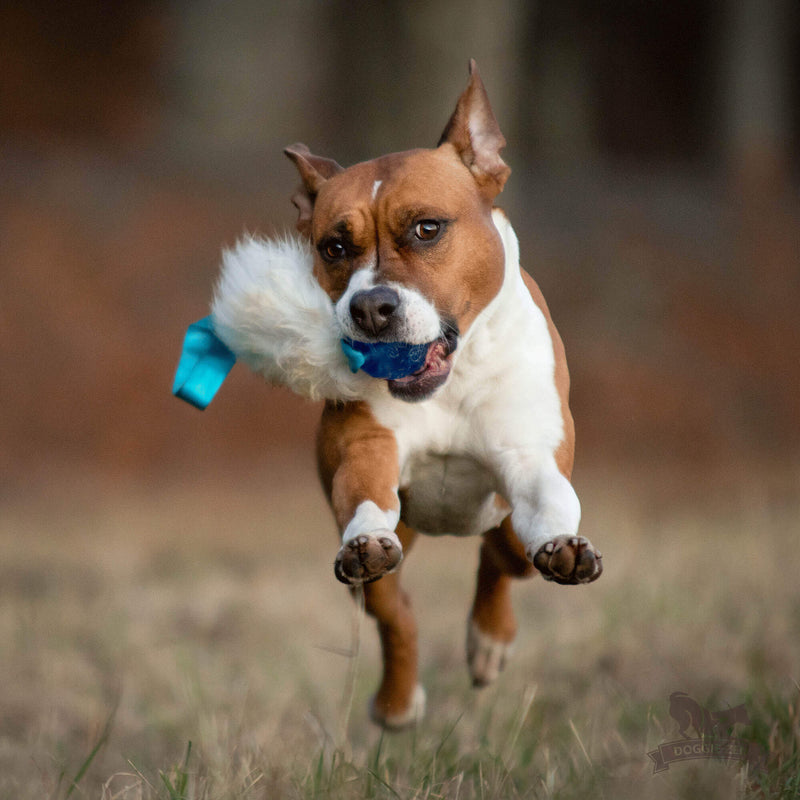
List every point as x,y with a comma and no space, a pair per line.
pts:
204,364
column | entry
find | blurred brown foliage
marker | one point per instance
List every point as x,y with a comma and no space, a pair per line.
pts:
137,139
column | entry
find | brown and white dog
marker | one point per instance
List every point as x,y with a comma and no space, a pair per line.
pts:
408,247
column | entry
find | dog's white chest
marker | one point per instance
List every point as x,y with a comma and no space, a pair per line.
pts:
494,425
447,493
446,485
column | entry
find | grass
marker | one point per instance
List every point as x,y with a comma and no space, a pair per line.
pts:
190,641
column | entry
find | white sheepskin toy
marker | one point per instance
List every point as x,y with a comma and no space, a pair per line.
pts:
269,310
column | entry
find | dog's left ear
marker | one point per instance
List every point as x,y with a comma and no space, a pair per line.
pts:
314,171
476,136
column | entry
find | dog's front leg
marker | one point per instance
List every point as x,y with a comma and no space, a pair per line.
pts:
545,515
360,473
359,468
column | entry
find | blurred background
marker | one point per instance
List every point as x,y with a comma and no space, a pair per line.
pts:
654,149
176,564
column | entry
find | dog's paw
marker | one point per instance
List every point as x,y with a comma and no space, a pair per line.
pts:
367,557
393,719
486,656
568,560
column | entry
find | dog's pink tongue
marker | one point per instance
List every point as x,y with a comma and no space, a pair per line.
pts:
436,356
435,361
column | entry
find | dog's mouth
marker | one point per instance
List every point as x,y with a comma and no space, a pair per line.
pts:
433,373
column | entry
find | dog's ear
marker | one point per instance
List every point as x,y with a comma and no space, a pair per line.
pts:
476,136
314,171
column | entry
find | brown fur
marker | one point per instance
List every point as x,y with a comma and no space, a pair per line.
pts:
357,460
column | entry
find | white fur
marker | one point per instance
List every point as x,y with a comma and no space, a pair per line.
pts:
275,317
486,656
493,427
403,719
370,519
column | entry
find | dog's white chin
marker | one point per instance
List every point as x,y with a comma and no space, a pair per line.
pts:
270,311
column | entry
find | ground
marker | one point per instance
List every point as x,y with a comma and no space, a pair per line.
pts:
205,611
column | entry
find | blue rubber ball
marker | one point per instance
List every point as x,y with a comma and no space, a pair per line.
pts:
387,360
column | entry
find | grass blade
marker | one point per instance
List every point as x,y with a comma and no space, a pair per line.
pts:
580,743
102,739
177,791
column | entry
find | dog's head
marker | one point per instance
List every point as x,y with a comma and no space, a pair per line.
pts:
404,244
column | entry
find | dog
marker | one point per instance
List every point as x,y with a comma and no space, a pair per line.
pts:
478,439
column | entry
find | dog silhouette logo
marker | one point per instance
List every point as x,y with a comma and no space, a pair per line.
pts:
706,734
689,713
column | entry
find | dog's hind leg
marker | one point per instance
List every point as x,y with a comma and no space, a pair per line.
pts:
400,700
492,626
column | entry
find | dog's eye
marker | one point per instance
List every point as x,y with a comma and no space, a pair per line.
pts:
427,230
333,251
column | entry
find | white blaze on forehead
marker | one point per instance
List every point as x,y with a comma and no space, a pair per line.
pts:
375,187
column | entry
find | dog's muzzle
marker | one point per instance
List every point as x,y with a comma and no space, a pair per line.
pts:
379,345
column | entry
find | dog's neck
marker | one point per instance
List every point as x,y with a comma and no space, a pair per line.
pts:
483,339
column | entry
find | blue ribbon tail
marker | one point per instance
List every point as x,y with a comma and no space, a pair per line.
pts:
204,364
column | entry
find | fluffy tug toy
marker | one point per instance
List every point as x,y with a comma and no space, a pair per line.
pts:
270,313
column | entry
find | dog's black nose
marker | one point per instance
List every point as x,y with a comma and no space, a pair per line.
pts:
372,309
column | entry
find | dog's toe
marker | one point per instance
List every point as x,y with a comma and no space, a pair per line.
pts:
569,560
367,557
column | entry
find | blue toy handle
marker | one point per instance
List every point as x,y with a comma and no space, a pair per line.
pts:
389,360
355,359
204,364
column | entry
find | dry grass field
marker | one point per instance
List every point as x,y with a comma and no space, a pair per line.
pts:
189,640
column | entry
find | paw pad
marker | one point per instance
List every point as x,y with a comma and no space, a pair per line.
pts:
569,560
366,558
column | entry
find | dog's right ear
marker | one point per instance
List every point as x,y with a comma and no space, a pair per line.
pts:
314,171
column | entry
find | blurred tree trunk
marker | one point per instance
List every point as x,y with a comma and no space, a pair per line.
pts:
396,69
244,80
763,292
351,78
756,73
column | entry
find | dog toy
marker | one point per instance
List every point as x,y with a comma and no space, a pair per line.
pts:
388,360
204,364
270,313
